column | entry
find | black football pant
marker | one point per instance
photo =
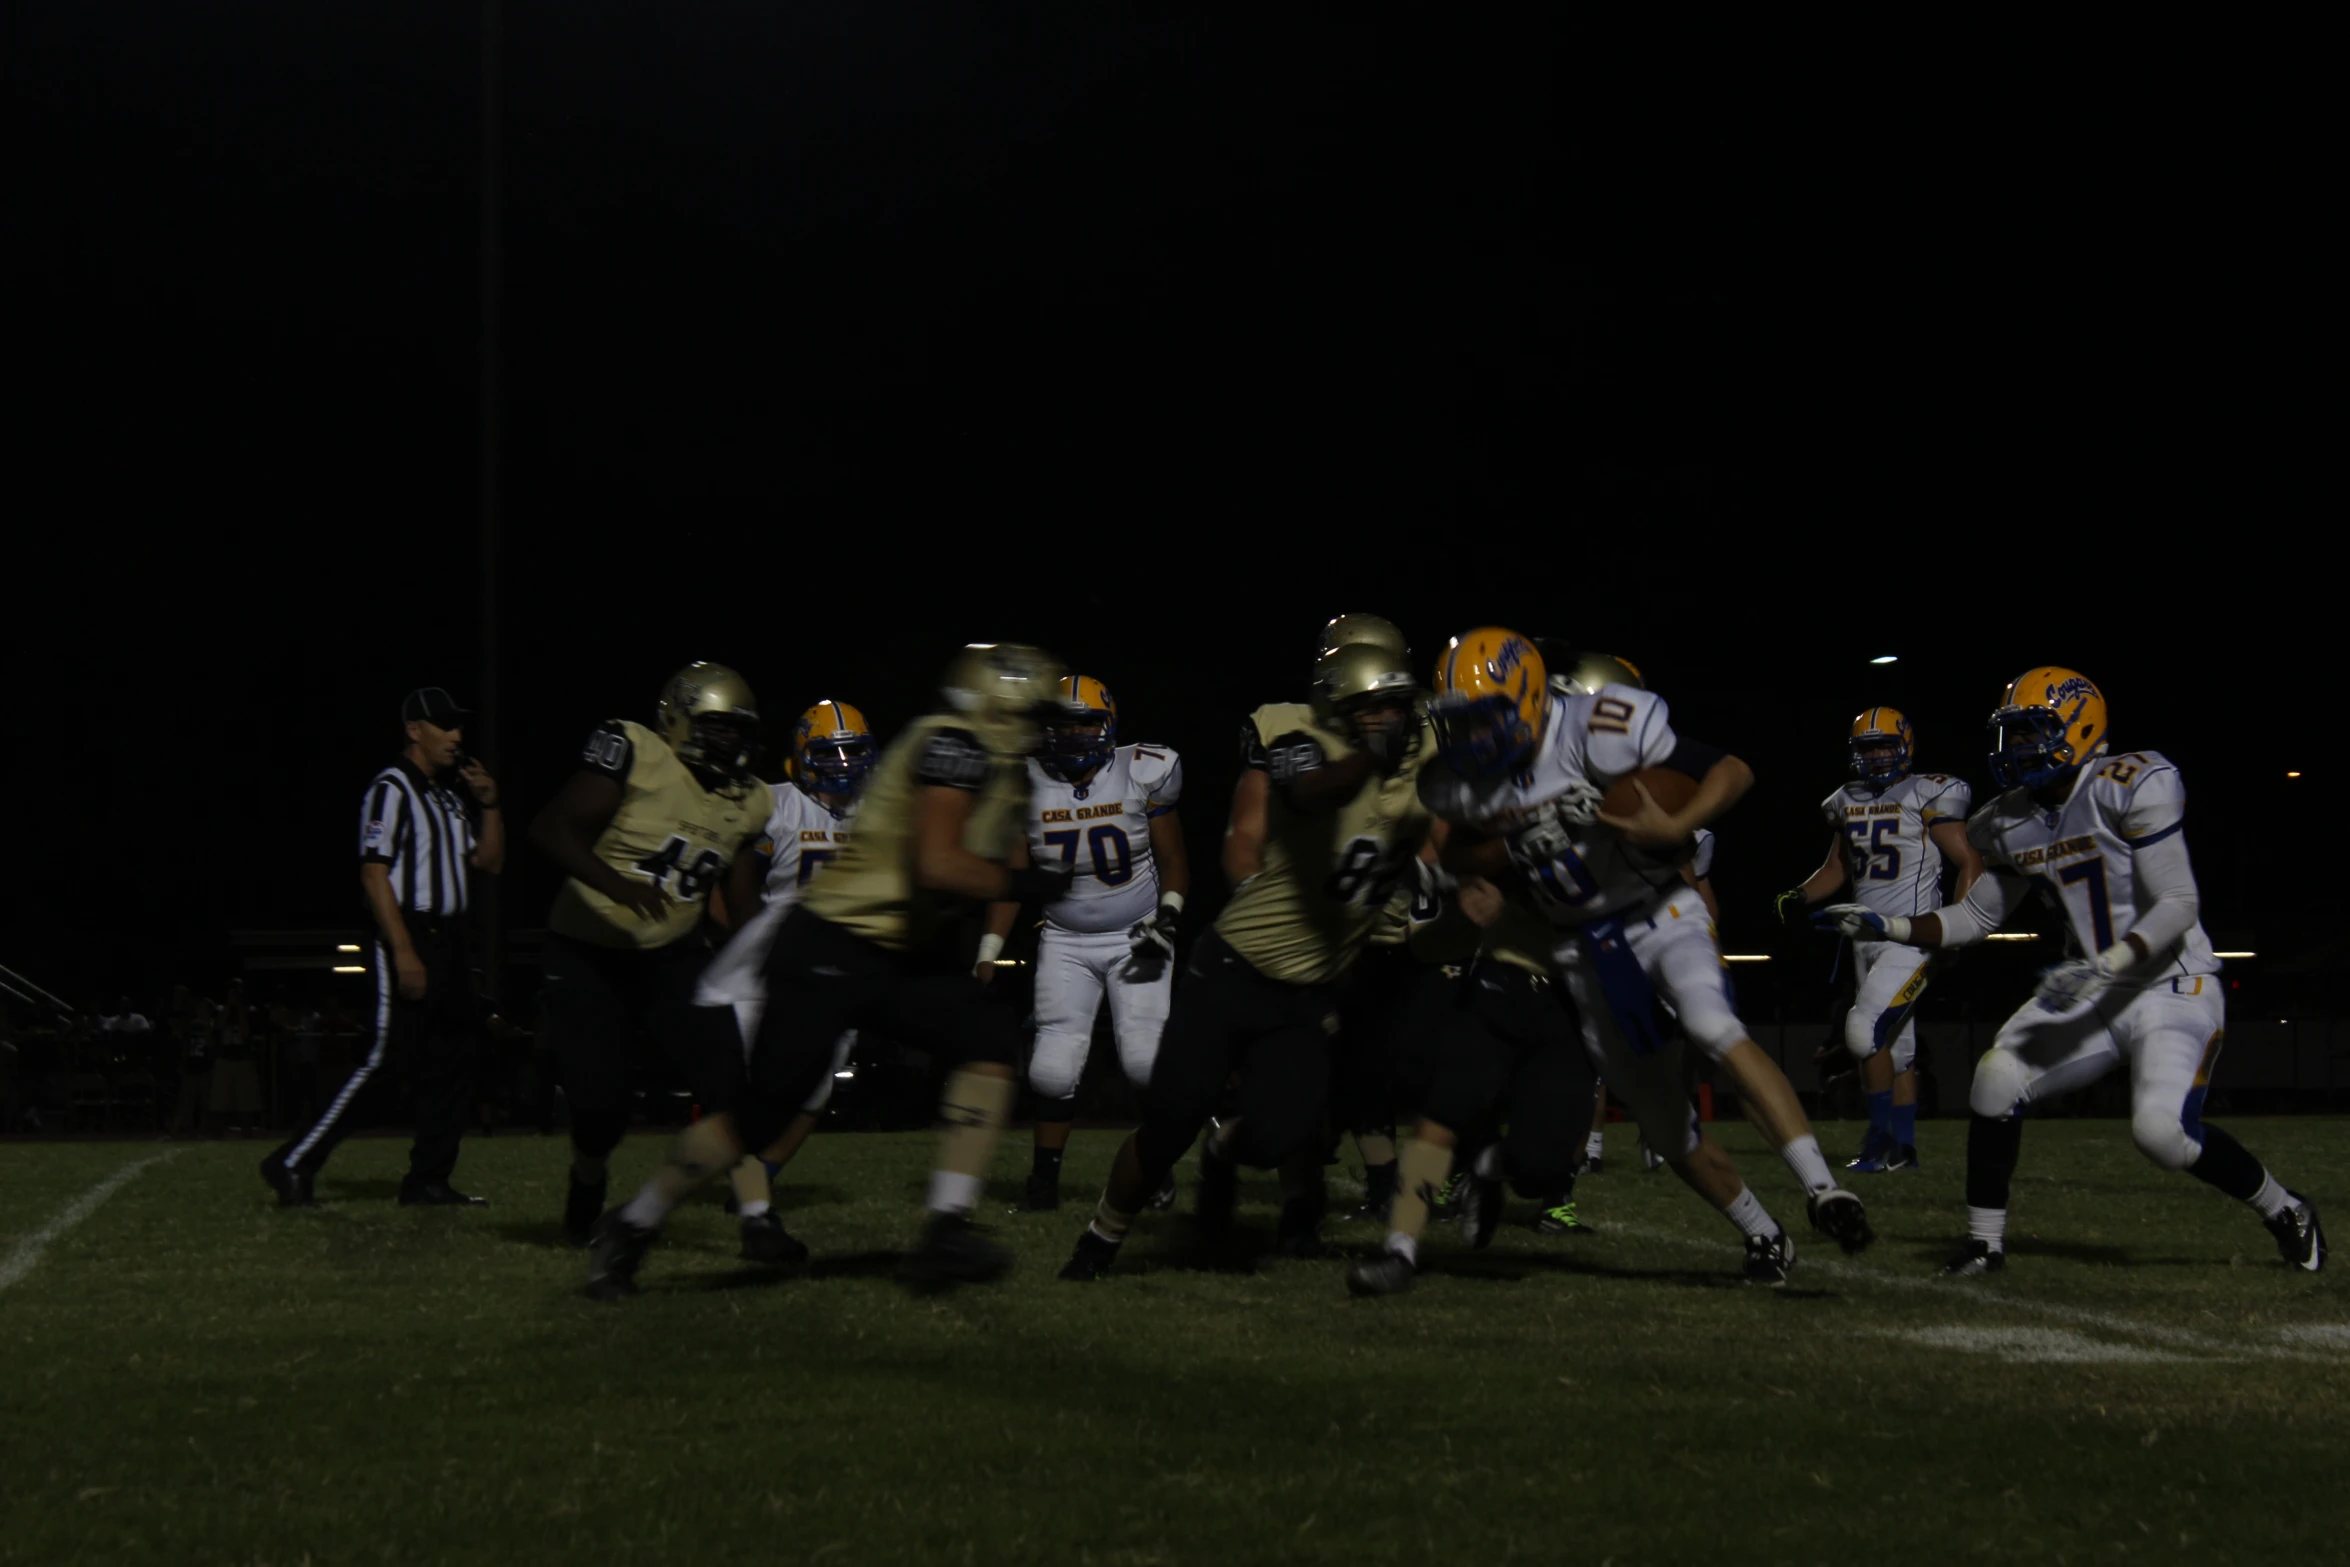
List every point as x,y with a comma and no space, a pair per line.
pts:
823,980
1394,1012
1514,1052
599,1002
1228,1017
427,1047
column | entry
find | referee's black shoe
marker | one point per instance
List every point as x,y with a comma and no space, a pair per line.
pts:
581,1208
618,1251
292,1186
435,1194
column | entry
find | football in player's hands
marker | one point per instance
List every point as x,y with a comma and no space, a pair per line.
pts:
1667,793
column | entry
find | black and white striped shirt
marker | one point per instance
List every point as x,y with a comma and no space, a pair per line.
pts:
420,830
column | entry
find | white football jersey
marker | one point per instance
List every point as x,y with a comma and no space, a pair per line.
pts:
1701,860
1888,850
1103,828
802,836
2082,852
1598,738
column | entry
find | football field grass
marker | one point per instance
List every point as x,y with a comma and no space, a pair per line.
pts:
188,1374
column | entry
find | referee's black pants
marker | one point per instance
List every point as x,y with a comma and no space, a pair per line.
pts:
1514,1053
1228,1016
427,1046
822,981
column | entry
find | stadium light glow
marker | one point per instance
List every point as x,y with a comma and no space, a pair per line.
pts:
2292,775
1746,957
2013,935
1889,658
348,946
2234,954
350,968
846,1072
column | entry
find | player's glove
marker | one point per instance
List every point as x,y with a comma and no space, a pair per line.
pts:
1539,842
1792,909
1863,923
2073,985
1042,884
1578,804
1433,880
1151,942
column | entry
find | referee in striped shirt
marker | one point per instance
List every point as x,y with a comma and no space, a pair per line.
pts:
419,845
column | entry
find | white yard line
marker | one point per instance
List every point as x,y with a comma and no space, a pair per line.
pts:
2297,1342
26,1252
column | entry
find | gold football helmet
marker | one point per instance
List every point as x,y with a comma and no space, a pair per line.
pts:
1358,676
1377,630
1582,674
2049,724
710,719
1007,690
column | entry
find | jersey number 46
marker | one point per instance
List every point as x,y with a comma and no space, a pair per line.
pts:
694,877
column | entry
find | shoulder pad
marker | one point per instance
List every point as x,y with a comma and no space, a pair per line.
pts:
610,750
953,758
1291,755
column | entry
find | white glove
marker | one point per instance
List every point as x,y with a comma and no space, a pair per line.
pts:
1433,879
1578,804
1863,923
2072,986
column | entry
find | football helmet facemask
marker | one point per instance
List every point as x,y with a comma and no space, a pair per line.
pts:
832,749
1360,680
2049,725
1492,702
710,719
1883,745
1083,731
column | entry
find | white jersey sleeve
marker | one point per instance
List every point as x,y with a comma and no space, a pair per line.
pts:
1158,773
1701,863
2152,804
1950,800
1625,730
779,841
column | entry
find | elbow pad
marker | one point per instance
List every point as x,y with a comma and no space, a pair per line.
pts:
2162,869
1964,923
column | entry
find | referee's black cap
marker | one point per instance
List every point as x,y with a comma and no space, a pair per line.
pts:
432,705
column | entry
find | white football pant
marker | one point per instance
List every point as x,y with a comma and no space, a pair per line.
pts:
1892,979
1074,970
2170,1035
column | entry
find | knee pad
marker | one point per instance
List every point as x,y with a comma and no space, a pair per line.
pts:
1062,1109
595,1133
1860,1035
2162,1137
1055,1065
1999,1086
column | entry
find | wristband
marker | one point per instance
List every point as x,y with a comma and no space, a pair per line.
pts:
1897,927
2118,957
989,945
1171,900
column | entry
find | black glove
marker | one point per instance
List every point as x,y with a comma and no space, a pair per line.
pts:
1042,884
1152,941
1792,909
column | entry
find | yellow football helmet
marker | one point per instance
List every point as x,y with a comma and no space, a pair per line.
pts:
2050,724
1006,689
1492,702
710,719
832,749
1084,732
1883,745
1377,630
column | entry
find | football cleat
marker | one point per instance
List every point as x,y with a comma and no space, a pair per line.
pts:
1164,1197
582,1206
1481,1205
1903,1156
1769,1257
1650,1160
292,1186
1091,1260
1299,1233
950,1252
1448,1199
767,1243
1390,1273
2299,1239
1979,1258
1838,1215
1378,1194
1594,1163
1043,1193
437,1194
615,1254
1871,1158
1561,1219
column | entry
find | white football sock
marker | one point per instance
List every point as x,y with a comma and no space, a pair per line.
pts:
1595,1145
1489,1162
2271,1199
952,1193
1404,1246
1746,1211
1803,1156
752,1210
648,1207
1988,1225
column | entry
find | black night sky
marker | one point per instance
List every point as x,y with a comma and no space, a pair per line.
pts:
832,336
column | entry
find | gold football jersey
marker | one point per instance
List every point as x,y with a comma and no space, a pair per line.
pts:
1326,879
869,888
1520,938
669,830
